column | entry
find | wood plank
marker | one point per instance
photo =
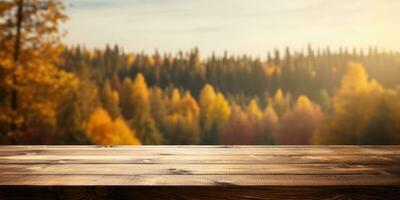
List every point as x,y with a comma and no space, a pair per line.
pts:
203,159
198,169
199,180
217,166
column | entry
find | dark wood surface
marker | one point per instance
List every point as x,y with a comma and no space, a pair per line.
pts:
200,172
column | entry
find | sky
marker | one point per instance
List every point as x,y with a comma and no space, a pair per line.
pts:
251,27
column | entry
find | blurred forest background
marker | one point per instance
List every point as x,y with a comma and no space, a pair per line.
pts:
51,93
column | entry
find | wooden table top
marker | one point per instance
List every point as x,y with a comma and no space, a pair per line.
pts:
199,165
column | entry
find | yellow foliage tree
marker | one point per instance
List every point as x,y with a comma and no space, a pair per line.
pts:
140,90
359,93
31,82
183,123
281,102
140,117
218,112
216,118
364,112
175,100
101,129
254,110
207,96
134,97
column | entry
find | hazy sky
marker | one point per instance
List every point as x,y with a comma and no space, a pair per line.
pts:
241,26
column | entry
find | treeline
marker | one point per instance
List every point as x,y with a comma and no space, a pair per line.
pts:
312,73
119,98
363,112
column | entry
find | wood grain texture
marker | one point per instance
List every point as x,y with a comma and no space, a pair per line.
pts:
198,169
200,172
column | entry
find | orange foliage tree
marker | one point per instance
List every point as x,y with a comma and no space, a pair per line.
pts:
300,124
266,127
239,129
101,129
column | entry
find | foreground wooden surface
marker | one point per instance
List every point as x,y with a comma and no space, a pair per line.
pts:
200,172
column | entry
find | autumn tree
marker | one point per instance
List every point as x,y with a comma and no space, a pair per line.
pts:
139,112
127,99
383,127
182,124
266,127
206,98
281,102
110,100
159,103
31,83
239,129
299,125
75,110
254,109
101,129
216,117
175,100
363,111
